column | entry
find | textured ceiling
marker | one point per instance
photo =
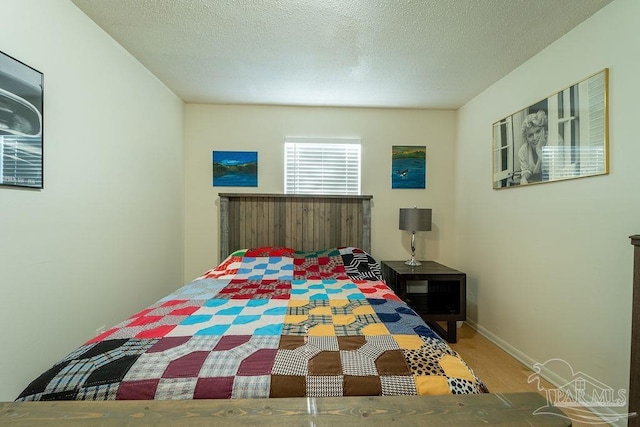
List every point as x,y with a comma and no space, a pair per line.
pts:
357,53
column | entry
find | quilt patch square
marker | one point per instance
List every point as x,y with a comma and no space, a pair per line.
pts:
256,289
325,385
325,289
319,265
137,390
396,316
290,362
287,386
198,290
175,388
361,266
397,385
147,326
111,372
188,365
255,386
98,392
325,363
258,363
335,317
376,290
226,269
214,388
148,365
265,268
362,386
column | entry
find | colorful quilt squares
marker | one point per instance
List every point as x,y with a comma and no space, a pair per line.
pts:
266,322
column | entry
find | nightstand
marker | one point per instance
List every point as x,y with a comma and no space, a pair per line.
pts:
444,298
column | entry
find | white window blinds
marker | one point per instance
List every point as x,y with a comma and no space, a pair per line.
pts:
322,166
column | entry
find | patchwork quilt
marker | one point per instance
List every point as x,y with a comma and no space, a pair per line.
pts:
267,322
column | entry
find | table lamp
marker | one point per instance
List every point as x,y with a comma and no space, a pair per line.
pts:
414,219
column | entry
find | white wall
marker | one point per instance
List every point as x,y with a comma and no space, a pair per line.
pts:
263,129
550,266
103,239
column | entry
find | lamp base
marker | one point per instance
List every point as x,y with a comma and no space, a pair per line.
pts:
412,262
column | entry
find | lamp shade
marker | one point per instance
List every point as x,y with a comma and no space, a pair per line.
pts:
414,219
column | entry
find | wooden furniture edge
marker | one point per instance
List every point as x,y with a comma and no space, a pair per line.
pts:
511,409
297,196
634,371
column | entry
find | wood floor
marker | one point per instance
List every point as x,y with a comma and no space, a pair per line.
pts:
500,372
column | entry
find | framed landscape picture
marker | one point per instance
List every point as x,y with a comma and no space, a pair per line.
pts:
235,168
21,109
408,166
563,136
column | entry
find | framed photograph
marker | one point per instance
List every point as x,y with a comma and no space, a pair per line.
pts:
408,166
564,136
235,168
21,105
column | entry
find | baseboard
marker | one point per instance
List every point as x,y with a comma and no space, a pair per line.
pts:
547,374
529,362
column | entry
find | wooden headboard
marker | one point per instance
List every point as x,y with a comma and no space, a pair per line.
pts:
301,222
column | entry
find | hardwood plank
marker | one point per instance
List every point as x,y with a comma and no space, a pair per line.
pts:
262,230
458,410
242,220
336,218
225,231
299,217
344,218
252,238
366,226
279,230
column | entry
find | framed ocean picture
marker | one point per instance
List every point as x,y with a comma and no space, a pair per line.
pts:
235,168
408,166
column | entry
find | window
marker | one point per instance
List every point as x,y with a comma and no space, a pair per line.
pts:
503,150
322,166
577,149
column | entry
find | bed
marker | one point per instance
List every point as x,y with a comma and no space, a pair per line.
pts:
267,322
270,321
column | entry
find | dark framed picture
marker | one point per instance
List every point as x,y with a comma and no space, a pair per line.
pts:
235,168
21,124
408,166
563,136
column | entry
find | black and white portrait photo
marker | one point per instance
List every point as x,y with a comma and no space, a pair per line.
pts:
561,137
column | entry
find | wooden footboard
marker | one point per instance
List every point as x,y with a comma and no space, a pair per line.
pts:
514,409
